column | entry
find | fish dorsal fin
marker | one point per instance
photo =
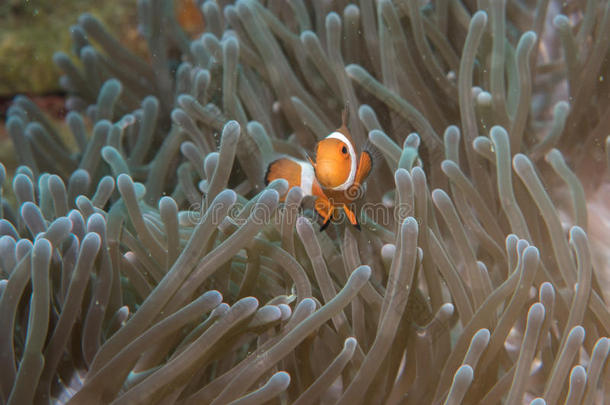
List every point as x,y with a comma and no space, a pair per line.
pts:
343,129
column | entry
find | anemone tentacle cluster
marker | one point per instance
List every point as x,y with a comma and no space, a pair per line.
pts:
144,260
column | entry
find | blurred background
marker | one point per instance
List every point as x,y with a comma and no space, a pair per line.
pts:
31,31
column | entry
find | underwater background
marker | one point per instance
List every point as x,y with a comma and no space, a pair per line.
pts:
143,259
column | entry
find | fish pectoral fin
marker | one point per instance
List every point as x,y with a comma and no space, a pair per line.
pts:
310,160
364,167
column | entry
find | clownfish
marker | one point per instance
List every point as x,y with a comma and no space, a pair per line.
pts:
335,178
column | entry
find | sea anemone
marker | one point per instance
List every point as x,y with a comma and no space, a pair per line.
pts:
143,260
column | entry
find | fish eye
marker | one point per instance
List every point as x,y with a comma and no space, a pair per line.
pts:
344,150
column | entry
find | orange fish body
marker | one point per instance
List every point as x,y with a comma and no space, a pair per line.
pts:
335,178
